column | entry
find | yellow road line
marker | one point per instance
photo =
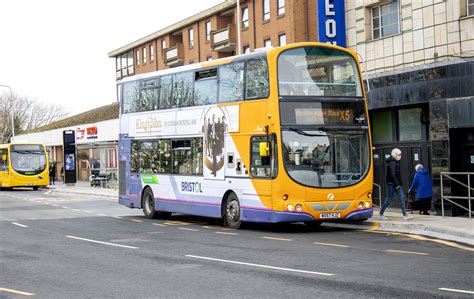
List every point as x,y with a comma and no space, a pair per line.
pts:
408,252
190,229
158,224
276,239
226,233
136,220
16,292
331,244
420,238
177,222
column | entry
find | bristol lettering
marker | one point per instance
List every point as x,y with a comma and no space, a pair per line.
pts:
194,187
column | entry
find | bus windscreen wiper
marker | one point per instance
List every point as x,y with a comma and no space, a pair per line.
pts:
301,132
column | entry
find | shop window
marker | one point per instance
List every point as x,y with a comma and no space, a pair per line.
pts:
409,124
470,7
385,20
382,128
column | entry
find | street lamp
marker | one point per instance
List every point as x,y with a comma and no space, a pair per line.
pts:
11,97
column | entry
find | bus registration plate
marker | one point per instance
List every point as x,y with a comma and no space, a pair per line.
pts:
329,215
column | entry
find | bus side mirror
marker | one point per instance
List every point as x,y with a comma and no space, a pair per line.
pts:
4,157
264,149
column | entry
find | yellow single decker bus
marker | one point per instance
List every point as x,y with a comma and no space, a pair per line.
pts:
279,135
23,165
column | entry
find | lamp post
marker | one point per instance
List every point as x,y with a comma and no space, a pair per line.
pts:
11,96
239,46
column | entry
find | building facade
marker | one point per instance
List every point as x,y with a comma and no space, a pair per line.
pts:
96,139
417,58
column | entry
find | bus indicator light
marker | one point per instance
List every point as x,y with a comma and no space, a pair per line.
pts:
299,208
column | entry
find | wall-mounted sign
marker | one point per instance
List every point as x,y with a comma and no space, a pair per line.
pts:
331,22
87,133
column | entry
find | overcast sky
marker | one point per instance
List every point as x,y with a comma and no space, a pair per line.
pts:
56,51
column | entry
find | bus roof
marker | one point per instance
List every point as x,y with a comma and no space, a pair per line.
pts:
196,66
260,53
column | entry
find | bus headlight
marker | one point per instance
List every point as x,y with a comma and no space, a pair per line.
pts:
369,195
299,208
285,197
367,204
290,208
361,205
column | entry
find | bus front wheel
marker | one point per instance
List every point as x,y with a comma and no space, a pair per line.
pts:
232,212
35,188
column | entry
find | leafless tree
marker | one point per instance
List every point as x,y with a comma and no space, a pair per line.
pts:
27,113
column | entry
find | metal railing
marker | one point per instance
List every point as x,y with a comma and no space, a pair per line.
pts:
449,198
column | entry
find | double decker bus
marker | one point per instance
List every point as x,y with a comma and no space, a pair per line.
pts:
280,135
23,165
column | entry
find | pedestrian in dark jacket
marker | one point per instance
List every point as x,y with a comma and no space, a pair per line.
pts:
52,173
424,188
394,183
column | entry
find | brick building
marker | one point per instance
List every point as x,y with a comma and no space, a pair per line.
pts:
417,56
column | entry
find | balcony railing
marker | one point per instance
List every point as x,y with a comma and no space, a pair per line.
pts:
223,40
174,56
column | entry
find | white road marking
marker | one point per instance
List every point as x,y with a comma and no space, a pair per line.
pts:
100,242
277,239
136,220
117,217
55,206
455,290
226,233
16,292
331,244
47,192
190,229
409,252
158,224
102,215
259,265
18,224
77,210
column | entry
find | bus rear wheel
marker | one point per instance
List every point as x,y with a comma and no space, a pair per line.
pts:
148,205
232,212
35,188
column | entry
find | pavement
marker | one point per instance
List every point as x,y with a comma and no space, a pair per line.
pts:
457,229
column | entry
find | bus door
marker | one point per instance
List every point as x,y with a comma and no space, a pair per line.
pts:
3,166
263,166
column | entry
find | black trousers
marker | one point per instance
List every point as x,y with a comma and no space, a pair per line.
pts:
425,204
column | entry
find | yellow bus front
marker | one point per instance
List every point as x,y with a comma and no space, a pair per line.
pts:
24,165
322,135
